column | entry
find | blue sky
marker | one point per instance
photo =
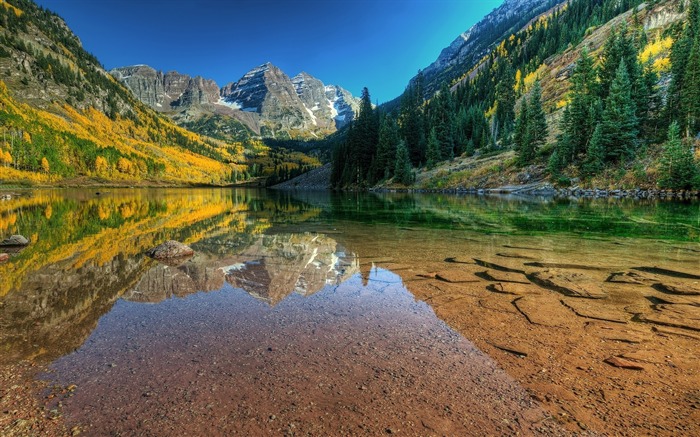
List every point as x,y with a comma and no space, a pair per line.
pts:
380,44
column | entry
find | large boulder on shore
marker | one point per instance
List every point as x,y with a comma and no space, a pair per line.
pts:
169,250
15,240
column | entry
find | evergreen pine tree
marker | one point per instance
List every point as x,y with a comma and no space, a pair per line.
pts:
680,55
678,168
520,134
595,157
619,122
402,169
582,113
433,154
505,104
386,148
690,94
413,120
537,123
444,122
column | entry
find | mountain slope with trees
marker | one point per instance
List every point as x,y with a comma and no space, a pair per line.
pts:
64,118
585,93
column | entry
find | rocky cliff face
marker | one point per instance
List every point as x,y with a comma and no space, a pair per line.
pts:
166,91
270,93
265,100
330,105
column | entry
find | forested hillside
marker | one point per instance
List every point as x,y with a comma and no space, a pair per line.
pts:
63,118
596,92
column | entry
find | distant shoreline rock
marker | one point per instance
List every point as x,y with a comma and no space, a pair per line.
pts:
548,190
14,241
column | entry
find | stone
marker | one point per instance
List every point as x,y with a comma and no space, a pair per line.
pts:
4,257
684,288
499,276
564,266
15,240
569,283
499,267
678,316
456,276
170,249
623,363
545,310
514,255
667,272
634,278
595,310
515,350
513,288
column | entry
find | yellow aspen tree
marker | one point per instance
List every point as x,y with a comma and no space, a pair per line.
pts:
45,164
100,165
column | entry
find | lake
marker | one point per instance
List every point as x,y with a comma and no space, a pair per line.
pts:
343,314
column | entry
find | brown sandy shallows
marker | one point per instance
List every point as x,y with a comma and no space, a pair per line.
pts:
606,335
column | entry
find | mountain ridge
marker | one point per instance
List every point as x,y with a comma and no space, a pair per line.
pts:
265,100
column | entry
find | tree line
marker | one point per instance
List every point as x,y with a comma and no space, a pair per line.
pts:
613,111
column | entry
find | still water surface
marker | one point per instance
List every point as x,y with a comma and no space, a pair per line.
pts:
295,315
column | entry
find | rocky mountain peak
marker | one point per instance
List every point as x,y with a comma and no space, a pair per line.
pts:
166,91
265,99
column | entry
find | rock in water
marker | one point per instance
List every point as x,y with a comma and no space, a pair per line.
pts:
4,257
15,240
569,283
170,249
623,363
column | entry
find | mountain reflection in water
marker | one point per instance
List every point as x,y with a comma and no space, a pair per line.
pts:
270,269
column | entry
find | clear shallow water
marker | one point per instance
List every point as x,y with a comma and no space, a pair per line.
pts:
283,311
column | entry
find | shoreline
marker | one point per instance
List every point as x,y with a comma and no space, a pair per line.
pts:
548,190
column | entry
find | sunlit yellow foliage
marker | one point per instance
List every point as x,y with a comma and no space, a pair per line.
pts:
26,137
662,65
533,77
11,174
501,50
126,210
101,165
6,158
658,47
7,221
491,111
18,12
103,212
150,139
518,79
562,103
124,166
48,212
45,165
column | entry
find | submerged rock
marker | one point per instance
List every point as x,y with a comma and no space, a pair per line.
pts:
678,316
679,288
632,278
169,250
667,272
623,363
15,240
569,283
